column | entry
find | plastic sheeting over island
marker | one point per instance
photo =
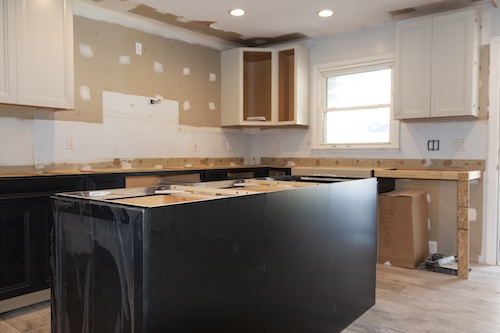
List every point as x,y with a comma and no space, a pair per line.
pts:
262,257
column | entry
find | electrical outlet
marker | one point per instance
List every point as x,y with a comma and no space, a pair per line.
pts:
433,247
70,142
278,146
138,48
228,146
459,144
195,146
433,145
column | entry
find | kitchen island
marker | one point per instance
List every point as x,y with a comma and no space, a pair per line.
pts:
260,256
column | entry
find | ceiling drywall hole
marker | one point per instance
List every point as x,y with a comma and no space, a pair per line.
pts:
86,51
436,7
208,28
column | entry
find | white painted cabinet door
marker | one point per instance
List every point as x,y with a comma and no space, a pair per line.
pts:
8,82
44,32
455,44
436,67
413,69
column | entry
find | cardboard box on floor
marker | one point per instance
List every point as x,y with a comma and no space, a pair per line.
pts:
402,228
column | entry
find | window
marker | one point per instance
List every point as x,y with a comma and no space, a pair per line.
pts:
354,105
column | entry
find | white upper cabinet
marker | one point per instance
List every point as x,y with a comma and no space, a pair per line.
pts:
265,87
37,57
437,69
8,79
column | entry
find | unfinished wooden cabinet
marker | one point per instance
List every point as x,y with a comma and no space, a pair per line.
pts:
265,86
36,53
437,66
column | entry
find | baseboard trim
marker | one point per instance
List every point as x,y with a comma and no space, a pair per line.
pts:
24,300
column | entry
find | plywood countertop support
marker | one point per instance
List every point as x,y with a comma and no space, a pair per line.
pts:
463,179
463,175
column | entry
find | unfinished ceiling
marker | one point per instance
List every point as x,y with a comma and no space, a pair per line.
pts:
269,22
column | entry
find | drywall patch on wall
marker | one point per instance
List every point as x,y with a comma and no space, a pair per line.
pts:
86,51
85,93
212,77
124,60
211,106
186,71
186,106
158,67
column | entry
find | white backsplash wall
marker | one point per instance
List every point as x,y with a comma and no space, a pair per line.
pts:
293,142
16,142
132,127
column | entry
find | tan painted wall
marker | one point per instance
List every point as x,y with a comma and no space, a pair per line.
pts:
103,72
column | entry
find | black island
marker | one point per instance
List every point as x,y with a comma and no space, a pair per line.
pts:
251,256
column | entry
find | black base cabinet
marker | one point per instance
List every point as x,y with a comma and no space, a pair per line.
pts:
300,260
26,219
18,248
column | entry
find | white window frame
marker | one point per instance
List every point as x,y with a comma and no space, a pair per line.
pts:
320,73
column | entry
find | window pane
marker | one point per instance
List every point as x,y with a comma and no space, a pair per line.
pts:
357,126
359,89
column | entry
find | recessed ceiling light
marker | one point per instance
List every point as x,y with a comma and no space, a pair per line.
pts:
325,13
237,12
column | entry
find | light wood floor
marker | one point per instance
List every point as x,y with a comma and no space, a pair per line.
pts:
32,319
416,301
407,301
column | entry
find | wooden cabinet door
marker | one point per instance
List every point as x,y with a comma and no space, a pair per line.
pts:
44,32
17,248
8,80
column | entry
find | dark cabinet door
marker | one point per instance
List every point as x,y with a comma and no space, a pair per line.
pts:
45,222
26,220
17,248
105,181
224,174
